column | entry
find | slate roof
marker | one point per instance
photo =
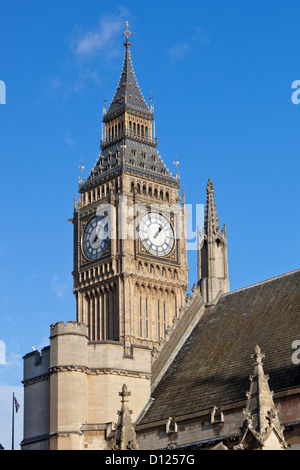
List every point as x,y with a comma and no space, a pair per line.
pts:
128,93
140,156
213,366
139,159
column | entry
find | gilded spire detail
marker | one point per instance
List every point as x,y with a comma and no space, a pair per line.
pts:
127,34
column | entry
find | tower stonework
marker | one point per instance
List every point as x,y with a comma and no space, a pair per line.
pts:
130,282
130,264
212,252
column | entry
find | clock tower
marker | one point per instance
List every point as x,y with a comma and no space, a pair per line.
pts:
130,260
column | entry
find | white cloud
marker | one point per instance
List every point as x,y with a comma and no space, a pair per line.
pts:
101,39
69,141
58,287
180,50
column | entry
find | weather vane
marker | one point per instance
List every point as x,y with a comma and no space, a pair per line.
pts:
176,163
81,168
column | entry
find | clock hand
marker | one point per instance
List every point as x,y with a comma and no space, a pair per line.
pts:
158,232
97,235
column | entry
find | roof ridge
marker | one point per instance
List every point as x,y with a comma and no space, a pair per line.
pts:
262,282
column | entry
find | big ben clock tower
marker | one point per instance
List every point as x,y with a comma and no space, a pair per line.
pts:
130,262
130,282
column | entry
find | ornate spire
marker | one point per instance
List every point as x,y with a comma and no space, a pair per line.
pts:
128,94
211,221
212,252
261,414
125,437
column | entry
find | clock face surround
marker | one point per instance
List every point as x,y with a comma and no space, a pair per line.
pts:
96,237
157,234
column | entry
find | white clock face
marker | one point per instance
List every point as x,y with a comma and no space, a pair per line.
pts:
95,237
156,234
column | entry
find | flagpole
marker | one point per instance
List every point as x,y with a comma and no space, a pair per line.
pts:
13,423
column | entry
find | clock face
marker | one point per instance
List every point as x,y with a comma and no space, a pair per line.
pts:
156,234
96,237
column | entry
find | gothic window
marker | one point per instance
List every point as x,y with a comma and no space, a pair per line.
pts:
138,129
161,194
155,193
146,323
165,324
139,188
130,126
167,196
134,128
150,191
142,131
146,132
132,187
158,321
144,189
141,318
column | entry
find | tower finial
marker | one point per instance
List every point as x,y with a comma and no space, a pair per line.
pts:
81,168
127,34
176,163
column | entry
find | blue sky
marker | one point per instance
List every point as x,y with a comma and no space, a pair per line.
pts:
221,75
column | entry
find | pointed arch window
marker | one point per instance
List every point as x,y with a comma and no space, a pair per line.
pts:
141,318
158,321
165,323
147,320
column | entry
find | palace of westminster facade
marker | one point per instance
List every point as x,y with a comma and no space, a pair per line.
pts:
146,366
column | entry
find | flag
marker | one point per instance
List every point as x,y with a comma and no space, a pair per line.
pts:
17,406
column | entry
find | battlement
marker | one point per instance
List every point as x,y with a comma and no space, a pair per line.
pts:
69,328
36,363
